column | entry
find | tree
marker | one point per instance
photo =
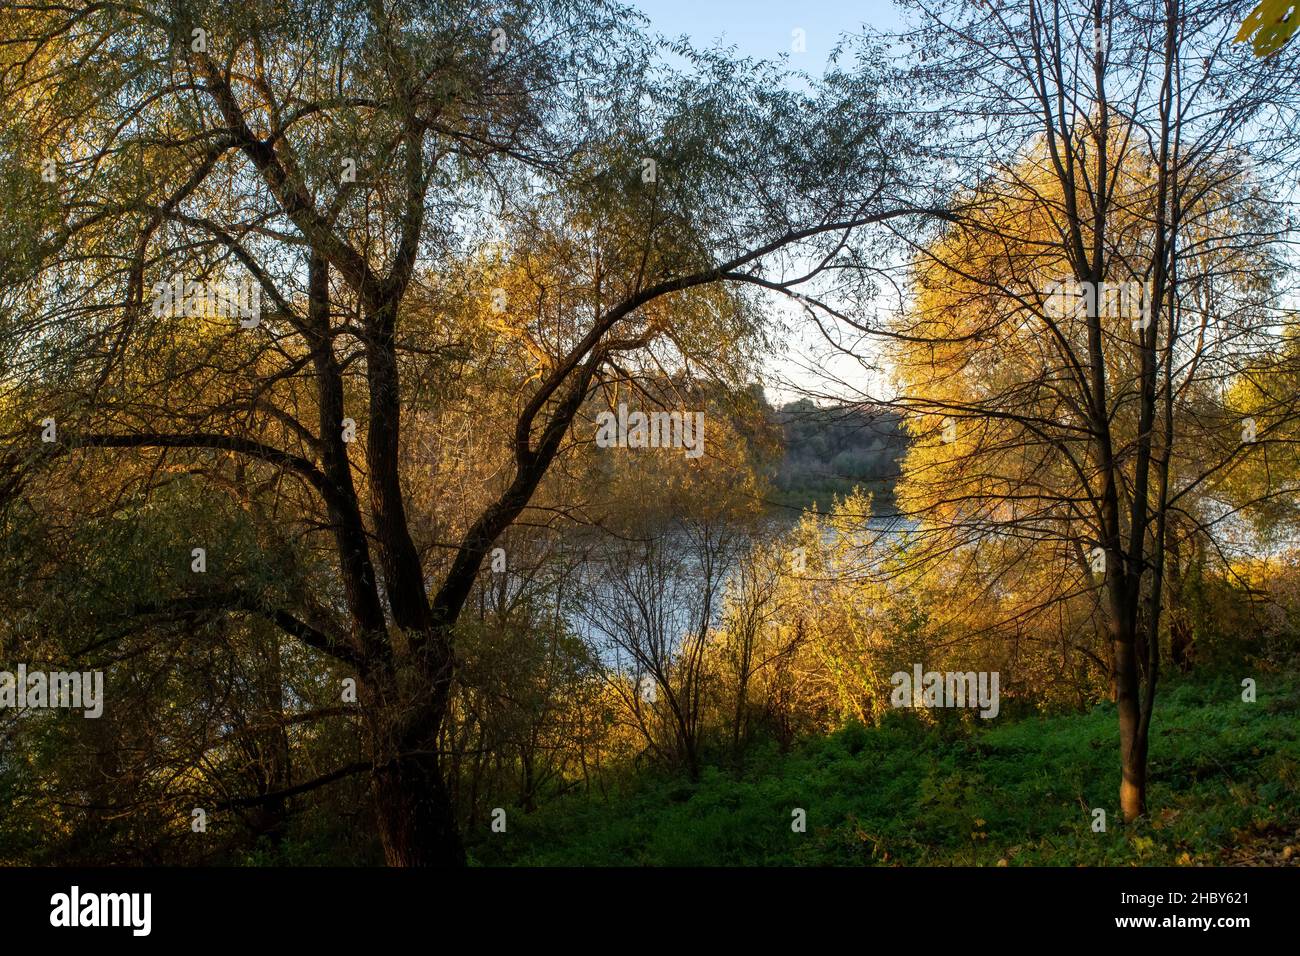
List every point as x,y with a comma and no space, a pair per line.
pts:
1104,271
401,184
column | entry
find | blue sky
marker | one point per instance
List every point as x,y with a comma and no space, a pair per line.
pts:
764,28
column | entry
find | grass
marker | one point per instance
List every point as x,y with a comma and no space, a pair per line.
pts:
1224,787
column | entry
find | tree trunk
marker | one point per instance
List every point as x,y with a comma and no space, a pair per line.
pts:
1180,641
1132,736
417,825
404,714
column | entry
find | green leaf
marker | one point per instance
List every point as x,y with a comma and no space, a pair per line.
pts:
1269,26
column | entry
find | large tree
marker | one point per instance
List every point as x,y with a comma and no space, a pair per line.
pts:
413,189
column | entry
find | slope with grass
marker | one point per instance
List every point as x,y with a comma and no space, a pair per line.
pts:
1225,788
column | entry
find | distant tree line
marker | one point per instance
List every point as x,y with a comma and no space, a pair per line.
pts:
829,449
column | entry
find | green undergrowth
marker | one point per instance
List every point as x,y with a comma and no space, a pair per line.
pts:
1224,777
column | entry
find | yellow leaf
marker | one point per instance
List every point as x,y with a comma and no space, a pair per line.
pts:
1271,24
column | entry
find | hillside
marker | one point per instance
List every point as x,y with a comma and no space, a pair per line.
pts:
829,450
1225,789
